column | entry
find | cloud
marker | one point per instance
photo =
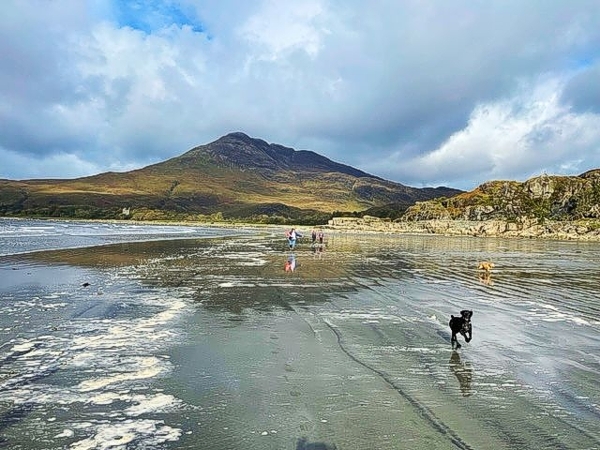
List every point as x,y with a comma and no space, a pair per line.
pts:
280,27
515,138
583,90
420,93
55,165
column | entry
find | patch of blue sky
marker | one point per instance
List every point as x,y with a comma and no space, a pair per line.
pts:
149,16
584,62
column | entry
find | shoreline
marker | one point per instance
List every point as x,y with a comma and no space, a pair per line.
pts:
581,230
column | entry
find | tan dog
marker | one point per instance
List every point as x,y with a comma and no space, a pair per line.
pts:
486,266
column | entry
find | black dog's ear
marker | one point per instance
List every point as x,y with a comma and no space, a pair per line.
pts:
466,314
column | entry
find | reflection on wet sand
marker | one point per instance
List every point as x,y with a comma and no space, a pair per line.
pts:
304,444
317,250
115,255
463,373
290,263
486,278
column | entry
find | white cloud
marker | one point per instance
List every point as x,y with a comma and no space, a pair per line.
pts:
280,27
515,138
56,165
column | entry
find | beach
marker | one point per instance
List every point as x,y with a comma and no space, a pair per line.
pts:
195,339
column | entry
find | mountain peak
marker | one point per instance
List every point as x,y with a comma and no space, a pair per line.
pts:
239,150
237,135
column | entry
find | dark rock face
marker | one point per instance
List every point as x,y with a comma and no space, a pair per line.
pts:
541,198
240,150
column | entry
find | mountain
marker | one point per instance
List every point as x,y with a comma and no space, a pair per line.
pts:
234,177
562,198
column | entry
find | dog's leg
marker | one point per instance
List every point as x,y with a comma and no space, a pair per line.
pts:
454,341
468,331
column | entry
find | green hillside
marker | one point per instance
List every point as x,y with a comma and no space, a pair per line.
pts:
233,178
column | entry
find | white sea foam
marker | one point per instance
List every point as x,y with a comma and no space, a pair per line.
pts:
150,368
422,350
112,361
24,347
105,398
233,284
66,433
551,313
118,435
148,404
365,316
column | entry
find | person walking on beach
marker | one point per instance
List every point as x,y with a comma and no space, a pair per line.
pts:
292,236
321,237
313,237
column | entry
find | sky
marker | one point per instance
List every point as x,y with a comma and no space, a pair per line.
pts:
425,93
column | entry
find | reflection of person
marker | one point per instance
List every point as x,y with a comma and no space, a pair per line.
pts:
462,372
317,251
290,264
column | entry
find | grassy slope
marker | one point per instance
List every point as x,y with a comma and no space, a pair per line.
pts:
235,173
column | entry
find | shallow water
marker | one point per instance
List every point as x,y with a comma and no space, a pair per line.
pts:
18,236
209,343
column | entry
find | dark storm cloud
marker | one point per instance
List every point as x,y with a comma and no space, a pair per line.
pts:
583,91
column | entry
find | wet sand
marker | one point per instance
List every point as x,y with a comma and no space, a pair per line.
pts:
212,344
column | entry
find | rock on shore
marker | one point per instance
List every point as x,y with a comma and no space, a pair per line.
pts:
588,230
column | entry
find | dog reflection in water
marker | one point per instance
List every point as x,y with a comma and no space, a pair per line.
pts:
463,373
484,269
486,278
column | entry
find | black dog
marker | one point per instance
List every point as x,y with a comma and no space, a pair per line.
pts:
461,325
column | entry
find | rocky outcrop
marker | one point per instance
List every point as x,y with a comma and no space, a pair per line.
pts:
527,228
557,198
545,207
